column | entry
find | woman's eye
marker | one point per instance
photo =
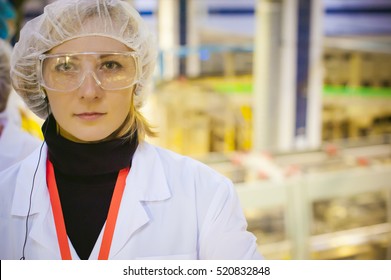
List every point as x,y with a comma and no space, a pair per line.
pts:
65,67
110,65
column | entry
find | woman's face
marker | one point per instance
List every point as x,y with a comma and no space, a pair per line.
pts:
89,113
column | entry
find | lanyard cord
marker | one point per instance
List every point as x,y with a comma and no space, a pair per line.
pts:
33,184
59,218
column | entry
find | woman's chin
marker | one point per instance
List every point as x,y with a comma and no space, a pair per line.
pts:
85,136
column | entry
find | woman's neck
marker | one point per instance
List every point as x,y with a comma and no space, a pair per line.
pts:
68,136
72,157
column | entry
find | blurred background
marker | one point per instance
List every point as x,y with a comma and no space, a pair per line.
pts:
288,98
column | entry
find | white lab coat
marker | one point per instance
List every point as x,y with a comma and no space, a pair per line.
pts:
172,208
15,144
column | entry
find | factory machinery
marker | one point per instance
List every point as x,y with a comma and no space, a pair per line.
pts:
334,203
331,203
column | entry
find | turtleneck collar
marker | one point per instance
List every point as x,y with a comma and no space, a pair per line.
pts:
83,159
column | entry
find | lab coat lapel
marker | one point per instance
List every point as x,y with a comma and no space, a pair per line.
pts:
145,182
44,233
42,229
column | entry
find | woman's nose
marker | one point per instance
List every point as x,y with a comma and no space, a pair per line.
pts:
90,86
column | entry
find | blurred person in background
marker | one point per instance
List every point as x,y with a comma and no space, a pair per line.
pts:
15,144
96,189
7,20
17,112
7,24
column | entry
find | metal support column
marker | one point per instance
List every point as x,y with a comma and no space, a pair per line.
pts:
266,73
309,74
168,29
194,14
287,94
315,83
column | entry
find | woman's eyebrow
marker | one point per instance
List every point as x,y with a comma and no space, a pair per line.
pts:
107,55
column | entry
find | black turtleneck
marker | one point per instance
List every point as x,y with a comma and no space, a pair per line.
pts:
86,174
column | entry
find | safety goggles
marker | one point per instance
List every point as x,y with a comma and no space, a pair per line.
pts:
66,72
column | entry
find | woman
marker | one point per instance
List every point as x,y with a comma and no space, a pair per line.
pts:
97,190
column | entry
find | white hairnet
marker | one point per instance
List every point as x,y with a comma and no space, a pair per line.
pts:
5,79
68,19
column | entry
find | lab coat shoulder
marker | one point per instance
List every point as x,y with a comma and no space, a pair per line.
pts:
202,183
221,223
11,175
190,170
15,145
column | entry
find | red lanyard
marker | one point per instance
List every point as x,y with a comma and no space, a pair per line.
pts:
59,218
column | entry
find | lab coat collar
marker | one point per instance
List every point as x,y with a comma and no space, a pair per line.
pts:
148,173
146,182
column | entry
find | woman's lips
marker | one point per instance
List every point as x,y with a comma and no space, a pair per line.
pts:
90,116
